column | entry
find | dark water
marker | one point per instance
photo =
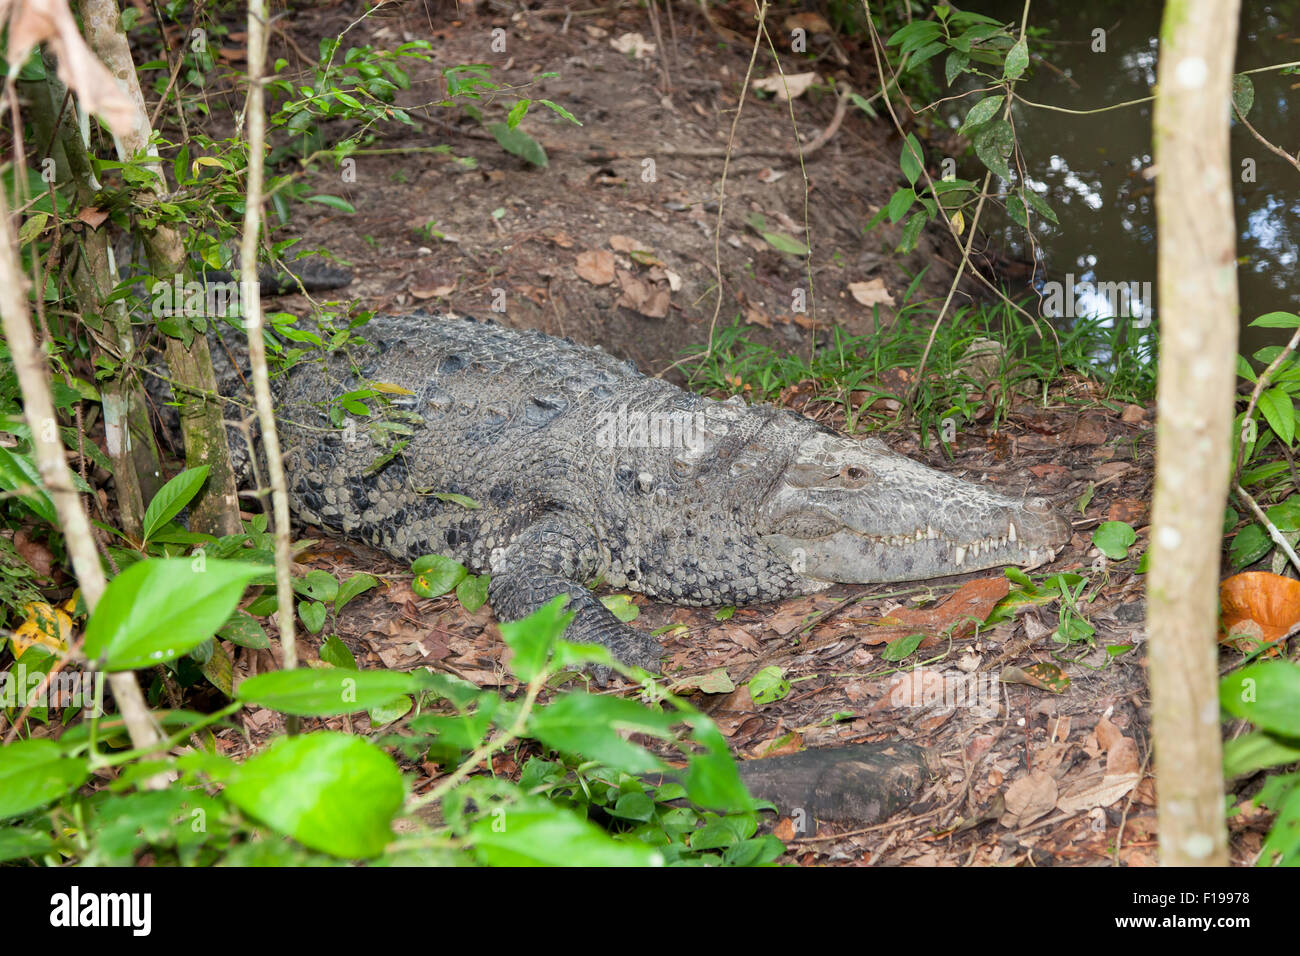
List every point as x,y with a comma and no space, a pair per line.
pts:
1089,168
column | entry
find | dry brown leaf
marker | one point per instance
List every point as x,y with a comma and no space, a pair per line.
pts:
40,21
1029,798
633,43
596,266
872,292
1096,790
641,296
972,602
795,83
627,244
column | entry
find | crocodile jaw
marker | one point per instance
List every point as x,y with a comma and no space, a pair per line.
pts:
856,512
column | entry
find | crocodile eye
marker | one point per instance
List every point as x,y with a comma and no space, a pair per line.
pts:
854,477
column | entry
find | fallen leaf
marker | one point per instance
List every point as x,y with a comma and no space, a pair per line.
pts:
641,296
633,43
958,612
872,292
795,83
1042,675
1029,798
596,266
1269,601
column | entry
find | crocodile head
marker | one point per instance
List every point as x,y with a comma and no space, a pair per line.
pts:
856,512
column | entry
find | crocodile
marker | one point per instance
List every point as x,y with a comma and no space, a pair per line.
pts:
552,465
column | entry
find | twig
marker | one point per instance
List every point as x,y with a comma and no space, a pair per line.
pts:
255,118
1264,378
1271,528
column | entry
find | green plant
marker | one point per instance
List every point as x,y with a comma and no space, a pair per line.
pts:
337,795
1268,695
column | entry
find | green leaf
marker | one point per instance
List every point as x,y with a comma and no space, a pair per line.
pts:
594,726
325,692
1282,845
1251,543
335,652
18,471
956,64
1040,206
1279,412
436,574
1016,210
34,773
1244,370
532,637
334,202
911,232
621,606
1257,751
329,791
1243,93
899,203
768,685
912,159
993,145
900,649
517,113
395,709
981,113
472,593
317,585
535,832
1114,538
1017,60
783,243
1285,516
557,108
18,844
172,497
1277,320
1267,694
243,629
711,778
159,609
519,143
312,614
357,584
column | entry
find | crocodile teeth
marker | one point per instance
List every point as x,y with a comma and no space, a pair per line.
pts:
1011,531
960,556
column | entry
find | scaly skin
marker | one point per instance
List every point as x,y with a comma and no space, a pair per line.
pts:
586,470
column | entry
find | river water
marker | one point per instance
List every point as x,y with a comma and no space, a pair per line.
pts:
1090,169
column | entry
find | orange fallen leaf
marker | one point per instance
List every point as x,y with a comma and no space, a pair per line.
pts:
1258,607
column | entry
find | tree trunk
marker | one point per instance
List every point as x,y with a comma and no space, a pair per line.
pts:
216,509
1198,347
136,470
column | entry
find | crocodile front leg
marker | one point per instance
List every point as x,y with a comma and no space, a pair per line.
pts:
553,556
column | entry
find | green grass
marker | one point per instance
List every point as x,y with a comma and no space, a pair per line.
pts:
883,365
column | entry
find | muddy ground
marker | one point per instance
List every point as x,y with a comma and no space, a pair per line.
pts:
1028,776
